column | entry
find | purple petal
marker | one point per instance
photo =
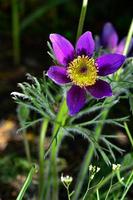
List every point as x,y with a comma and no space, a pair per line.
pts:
63,49
85,44
100,90
75,99
109,36
58,75
109,63
120,47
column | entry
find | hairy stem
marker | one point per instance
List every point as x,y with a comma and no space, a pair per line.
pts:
82,18
41,157
61,118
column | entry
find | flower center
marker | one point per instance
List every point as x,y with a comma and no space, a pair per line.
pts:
82,71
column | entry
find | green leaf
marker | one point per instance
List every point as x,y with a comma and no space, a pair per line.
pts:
128,159
86,133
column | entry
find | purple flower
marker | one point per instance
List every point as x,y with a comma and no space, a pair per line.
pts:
110,39
81,69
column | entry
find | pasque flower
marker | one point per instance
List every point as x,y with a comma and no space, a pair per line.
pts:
81,69
110,39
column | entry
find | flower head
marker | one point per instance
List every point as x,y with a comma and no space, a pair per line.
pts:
110,39
81,69
93,170
116,167
66,179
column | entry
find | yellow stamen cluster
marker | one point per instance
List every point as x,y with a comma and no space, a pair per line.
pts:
82,71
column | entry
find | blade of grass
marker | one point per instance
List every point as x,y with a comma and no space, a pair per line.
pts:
129,38
127,45
27,182
128,184
128,133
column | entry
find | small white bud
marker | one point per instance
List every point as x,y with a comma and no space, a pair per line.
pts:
94,169
122,179
98,169
92,176
115,166
90,168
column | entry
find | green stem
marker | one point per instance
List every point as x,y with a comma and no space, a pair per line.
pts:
82,18
27,147
107,178
41,157
129,179
98,196
88,157
128,133
27,183
130,182
61,118
128,40
86,190
90,150
111,183
68,193
16,31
